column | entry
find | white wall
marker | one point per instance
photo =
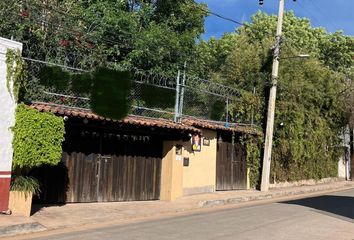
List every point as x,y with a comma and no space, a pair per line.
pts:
7,108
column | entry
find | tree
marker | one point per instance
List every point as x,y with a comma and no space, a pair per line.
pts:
84,34
312,94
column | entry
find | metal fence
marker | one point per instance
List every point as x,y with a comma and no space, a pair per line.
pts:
158,96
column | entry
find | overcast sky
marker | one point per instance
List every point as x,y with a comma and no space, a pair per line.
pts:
331,14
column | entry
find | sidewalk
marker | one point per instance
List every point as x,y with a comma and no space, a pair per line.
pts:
72,215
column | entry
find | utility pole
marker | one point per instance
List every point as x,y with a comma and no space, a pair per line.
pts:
271,104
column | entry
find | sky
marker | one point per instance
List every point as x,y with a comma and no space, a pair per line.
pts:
333,15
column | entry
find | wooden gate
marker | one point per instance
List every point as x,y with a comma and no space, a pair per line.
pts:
231,170
105,166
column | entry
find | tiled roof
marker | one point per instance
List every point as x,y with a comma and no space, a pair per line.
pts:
130,120
200,123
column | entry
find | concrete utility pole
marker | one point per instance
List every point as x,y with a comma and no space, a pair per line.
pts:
271,104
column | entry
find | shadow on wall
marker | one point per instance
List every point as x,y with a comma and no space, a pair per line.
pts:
341,207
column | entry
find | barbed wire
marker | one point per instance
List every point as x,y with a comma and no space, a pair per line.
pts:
211,87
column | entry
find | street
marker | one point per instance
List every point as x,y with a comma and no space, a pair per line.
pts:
329,216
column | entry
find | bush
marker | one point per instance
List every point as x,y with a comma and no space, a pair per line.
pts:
37,139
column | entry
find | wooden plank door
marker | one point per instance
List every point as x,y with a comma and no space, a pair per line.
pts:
81,157
230,165
75,178
224,166
130,169
239,169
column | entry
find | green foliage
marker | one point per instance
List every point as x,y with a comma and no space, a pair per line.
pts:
15,73
25,184
312,97
217,110
253,146
146,34
312,115
212,54
54,77
154,96
110,93
37,138
333,49
81,83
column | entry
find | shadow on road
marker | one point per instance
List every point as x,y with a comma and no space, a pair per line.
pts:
335,206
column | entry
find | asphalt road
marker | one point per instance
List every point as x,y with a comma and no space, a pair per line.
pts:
325,217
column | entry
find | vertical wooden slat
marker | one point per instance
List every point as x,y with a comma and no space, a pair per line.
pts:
230,164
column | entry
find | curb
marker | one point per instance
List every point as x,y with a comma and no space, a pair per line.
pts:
6,231
278,194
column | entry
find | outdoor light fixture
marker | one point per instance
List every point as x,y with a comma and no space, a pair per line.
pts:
303,55
297,56
262,1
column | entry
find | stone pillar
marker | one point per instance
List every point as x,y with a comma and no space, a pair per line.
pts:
7,120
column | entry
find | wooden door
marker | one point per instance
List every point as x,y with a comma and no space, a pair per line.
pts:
81,157
75,178
101,166
130,169
230,164
239,171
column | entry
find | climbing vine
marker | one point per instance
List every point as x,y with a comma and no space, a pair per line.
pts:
253,158
15,73
37,139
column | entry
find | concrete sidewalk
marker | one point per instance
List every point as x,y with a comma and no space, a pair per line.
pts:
73,215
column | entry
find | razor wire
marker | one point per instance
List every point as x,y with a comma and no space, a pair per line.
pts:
152,95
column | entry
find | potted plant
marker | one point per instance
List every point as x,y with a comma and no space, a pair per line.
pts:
22,190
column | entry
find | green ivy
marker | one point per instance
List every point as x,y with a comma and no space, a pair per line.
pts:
253,146
15,72
37,139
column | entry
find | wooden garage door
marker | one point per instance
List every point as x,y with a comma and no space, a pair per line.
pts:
230,164
105,166
129,170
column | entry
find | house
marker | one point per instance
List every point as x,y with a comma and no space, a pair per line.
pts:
140,158
7,120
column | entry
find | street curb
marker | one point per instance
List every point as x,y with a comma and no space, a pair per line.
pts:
11,230
274,195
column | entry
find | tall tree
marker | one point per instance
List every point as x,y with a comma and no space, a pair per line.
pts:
312,94
145,34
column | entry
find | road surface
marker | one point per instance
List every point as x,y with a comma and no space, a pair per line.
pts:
329,216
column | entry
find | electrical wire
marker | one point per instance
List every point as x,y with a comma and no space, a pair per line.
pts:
309,13
319,10
220,16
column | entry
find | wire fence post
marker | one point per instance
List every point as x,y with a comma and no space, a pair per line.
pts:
176,116
182,91
227,112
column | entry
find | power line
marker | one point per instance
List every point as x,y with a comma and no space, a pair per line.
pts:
241,24
321,13
220,16
309,13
